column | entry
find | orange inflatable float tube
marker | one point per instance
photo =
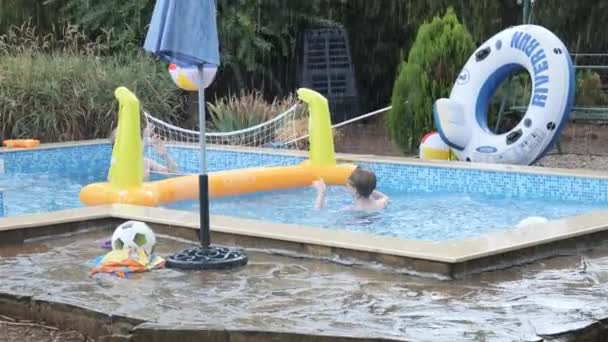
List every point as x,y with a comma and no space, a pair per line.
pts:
221,184
247,181
21,143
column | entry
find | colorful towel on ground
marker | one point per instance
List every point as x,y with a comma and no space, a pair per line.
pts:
123,262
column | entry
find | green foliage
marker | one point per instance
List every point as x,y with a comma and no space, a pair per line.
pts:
258,39
578,23
244,41
43,13
258,42
124,21
441,48
67,93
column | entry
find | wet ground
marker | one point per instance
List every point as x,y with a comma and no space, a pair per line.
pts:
283,293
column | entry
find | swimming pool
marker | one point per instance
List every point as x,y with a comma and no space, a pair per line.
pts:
427,202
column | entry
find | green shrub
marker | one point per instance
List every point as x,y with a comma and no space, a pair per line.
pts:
441,48
61,91
402,121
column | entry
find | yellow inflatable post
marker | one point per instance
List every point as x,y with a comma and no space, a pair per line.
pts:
319,128
127,164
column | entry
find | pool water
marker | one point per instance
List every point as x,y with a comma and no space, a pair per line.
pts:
422,216
42,192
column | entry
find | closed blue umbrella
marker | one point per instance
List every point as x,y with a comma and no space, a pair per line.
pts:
184,32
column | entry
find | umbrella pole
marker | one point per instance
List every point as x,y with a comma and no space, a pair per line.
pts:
203,178
205,256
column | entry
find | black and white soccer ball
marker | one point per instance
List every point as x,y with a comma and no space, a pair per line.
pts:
133,235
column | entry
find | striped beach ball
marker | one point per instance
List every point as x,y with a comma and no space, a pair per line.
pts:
187,78
433,148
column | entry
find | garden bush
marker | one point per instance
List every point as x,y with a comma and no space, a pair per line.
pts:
441,48
589,90
64,90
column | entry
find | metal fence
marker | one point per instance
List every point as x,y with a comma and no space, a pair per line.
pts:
587,130
585,135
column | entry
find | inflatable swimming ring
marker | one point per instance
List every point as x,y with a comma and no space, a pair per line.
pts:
461,119
21,143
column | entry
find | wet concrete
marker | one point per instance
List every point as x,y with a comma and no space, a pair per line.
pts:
317,297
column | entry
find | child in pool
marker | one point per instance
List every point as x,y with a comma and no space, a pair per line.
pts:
362,184
160,149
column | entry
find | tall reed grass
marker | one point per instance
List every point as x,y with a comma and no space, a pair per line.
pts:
247,109
250,108
60,86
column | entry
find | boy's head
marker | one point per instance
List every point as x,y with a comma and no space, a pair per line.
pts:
363,182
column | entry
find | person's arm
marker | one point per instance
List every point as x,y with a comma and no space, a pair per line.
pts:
321,192
380,197
171,165
151,165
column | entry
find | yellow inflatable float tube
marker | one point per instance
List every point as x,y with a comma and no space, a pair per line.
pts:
126,169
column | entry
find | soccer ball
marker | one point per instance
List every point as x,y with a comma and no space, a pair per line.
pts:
133,235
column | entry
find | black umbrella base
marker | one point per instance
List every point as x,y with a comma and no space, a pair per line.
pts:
207,258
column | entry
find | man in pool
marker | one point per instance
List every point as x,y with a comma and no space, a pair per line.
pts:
159,148
362,184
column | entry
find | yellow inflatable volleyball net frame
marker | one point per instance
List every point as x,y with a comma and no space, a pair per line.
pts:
127,163
125,178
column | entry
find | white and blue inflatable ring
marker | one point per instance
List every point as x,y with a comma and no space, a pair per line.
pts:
461,120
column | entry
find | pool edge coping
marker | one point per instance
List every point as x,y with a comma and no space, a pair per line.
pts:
364,158
449,252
